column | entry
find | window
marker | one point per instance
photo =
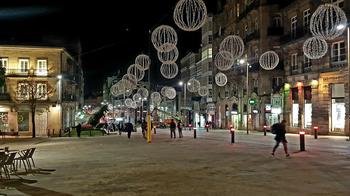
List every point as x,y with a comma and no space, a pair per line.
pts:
210,79
237,9
210,39
227,92
277,21
339,3
4,62
41,67
338,52
41,91
210,93
208,53
294,62
256,55
23,65
22,90
276,82
256,26
293,27
306,21
307,64
210,66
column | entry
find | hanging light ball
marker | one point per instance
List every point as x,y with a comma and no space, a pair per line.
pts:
168,57
163,91
169,71
203,91
315,48
156,98
269,60
193,85
133,105
114,90
137,97
144,61
222,63
234,47
328,21
128,102
164,38
130,79
170,93
143,92
137,71
190,15
220,79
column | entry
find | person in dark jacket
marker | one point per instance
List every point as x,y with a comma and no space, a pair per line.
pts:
179,128
78,128
129,128
144,128
172,128
281,137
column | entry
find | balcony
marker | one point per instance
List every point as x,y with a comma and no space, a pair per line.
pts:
27,72
299,33
252,36
275,31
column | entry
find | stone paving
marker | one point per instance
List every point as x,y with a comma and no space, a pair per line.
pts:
208,165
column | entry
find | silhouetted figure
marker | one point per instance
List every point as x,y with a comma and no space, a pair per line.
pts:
280,131
78,128
172,129
129,128
144,128
179,128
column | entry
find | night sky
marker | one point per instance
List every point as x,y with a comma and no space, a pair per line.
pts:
111,35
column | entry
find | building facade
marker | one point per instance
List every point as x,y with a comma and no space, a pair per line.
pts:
58,82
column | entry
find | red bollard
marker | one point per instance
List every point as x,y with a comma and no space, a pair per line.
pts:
232,131
265,130
315,132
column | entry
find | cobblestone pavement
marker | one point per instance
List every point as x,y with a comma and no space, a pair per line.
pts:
208,165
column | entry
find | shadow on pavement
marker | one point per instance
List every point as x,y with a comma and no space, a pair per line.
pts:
21,185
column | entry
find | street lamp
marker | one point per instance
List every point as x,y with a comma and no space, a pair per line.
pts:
340,27
184,84
242,62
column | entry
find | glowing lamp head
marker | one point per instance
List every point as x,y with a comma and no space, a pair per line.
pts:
190,125
232,129
316,127
265,126
206,126
299,84
302,132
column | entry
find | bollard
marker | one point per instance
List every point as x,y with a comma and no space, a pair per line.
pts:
194,132
265,130
316,132
302,140
60,134
53,132
232,131
207,127
69,132
190,127
48,132
155,130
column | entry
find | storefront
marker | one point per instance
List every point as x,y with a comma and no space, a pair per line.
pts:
338,108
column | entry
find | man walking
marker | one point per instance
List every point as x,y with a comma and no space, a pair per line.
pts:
129,128
172,129
280,131
144,128
179,128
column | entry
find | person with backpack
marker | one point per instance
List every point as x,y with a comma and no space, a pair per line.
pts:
280,130
172,129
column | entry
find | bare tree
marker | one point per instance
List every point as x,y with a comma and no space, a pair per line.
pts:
32,92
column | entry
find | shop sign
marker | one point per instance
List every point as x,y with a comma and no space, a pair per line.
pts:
276,101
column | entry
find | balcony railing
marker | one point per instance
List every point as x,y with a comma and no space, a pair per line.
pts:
26,72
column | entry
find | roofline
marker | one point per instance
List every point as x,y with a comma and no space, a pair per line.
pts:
32,47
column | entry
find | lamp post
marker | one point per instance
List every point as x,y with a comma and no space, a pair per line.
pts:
184,84
244,62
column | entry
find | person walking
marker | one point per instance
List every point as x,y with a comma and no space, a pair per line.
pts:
129,128
144,128
280,130
179,128
172,129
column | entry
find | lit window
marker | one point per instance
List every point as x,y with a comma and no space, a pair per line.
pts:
294,62
307,63
41,91
210,93
23,65
41,67
4,62
23,91
306,21
208,53
338,52
293,26
210,80
237,10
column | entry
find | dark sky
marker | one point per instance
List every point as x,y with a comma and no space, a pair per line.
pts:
112,33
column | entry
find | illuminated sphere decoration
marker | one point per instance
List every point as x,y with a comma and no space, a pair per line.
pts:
133,105
328,21
128,93
155,96
315,48
164,38
137,71
220,79
193,85
163,91
269,60
128,102
170,93
169,71
234,47
144,61
143,92
136,97
203,91
114,90
222,63
168,57
190,15
131,79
